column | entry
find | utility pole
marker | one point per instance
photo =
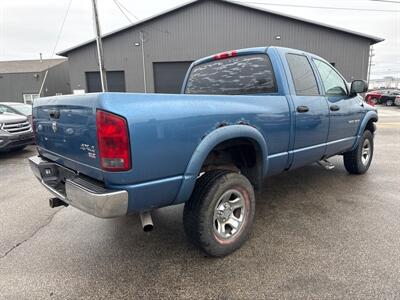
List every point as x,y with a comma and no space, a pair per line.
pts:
143,61
371,54
103,74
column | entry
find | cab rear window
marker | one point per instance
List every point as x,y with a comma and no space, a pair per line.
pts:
240,75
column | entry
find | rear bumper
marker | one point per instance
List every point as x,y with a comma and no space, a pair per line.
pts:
9,142
84,194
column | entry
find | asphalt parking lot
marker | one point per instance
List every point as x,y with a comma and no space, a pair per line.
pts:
318,234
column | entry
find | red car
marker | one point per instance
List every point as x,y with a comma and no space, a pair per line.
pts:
374,96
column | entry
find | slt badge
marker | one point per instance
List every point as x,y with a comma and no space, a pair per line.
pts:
89,149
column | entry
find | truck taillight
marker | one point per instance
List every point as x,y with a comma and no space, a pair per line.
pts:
113,142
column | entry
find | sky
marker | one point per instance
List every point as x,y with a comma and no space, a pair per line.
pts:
28,28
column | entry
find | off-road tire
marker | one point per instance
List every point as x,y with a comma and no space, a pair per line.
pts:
353,159
198,214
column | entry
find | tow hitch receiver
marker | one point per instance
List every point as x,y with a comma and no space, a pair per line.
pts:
56,202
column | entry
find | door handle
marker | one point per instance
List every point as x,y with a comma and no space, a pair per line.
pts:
302,109
334,108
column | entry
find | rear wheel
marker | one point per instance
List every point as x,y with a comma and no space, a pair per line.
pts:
389,102
359,160
219,215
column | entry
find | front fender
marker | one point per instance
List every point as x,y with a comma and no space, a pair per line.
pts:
370,115
209,142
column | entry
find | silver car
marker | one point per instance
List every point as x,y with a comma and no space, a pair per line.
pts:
15,132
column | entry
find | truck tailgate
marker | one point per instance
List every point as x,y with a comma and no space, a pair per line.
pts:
66,130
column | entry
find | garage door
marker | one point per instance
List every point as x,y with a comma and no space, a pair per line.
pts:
115,81
169,76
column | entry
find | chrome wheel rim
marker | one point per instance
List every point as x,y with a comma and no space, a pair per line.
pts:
366,152
229,214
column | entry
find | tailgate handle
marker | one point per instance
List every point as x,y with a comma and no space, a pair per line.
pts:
54,113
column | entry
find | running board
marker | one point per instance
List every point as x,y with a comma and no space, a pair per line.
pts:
326,164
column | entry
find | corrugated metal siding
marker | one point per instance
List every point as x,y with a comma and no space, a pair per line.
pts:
13,86
208,27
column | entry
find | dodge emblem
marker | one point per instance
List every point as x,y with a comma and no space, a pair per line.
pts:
54,127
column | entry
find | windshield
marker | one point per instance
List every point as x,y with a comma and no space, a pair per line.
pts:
24,109
241,75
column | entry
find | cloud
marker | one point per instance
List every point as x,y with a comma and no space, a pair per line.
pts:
28,28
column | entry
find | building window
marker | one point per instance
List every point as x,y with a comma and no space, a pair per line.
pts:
28,98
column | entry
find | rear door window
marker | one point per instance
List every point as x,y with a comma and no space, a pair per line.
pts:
302,74
241,75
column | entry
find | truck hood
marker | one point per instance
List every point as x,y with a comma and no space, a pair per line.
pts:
11,118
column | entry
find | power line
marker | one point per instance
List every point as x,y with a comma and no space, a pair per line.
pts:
317,7
61,28
130,12
387,1
121,7
122,11
55,45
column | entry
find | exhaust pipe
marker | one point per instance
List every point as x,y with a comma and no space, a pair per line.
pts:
56,202
147,221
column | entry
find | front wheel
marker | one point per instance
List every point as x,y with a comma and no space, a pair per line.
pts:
219,215
374,101
359,160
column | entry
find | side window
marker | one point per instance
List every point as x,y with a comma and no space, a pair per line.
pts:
303,75
333,83
5,109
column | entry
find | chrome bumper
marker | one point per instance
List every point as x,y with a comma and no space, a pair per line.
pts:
78,192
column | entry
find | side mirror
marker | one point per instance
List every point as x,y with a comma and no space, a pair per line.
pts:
358,86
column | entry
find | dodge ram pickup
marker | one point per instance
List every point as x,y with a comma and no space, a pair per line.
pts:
242,116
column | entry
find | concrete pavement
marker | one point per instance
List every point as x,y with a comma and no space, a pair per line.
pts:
318,234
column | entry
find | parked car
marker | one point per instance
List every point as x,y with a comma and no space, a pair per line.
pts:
15,132
374,96
242,116
17,108
397,100
389,98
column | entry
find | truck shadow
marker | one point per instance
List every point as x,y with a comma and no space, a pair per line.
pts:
285,207
302,218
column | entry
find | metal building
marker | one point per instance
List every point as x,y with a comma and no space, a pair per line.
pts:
20,80
175,38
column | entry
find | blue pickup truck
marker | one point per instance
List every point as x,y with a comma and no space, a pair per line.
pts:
242,116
